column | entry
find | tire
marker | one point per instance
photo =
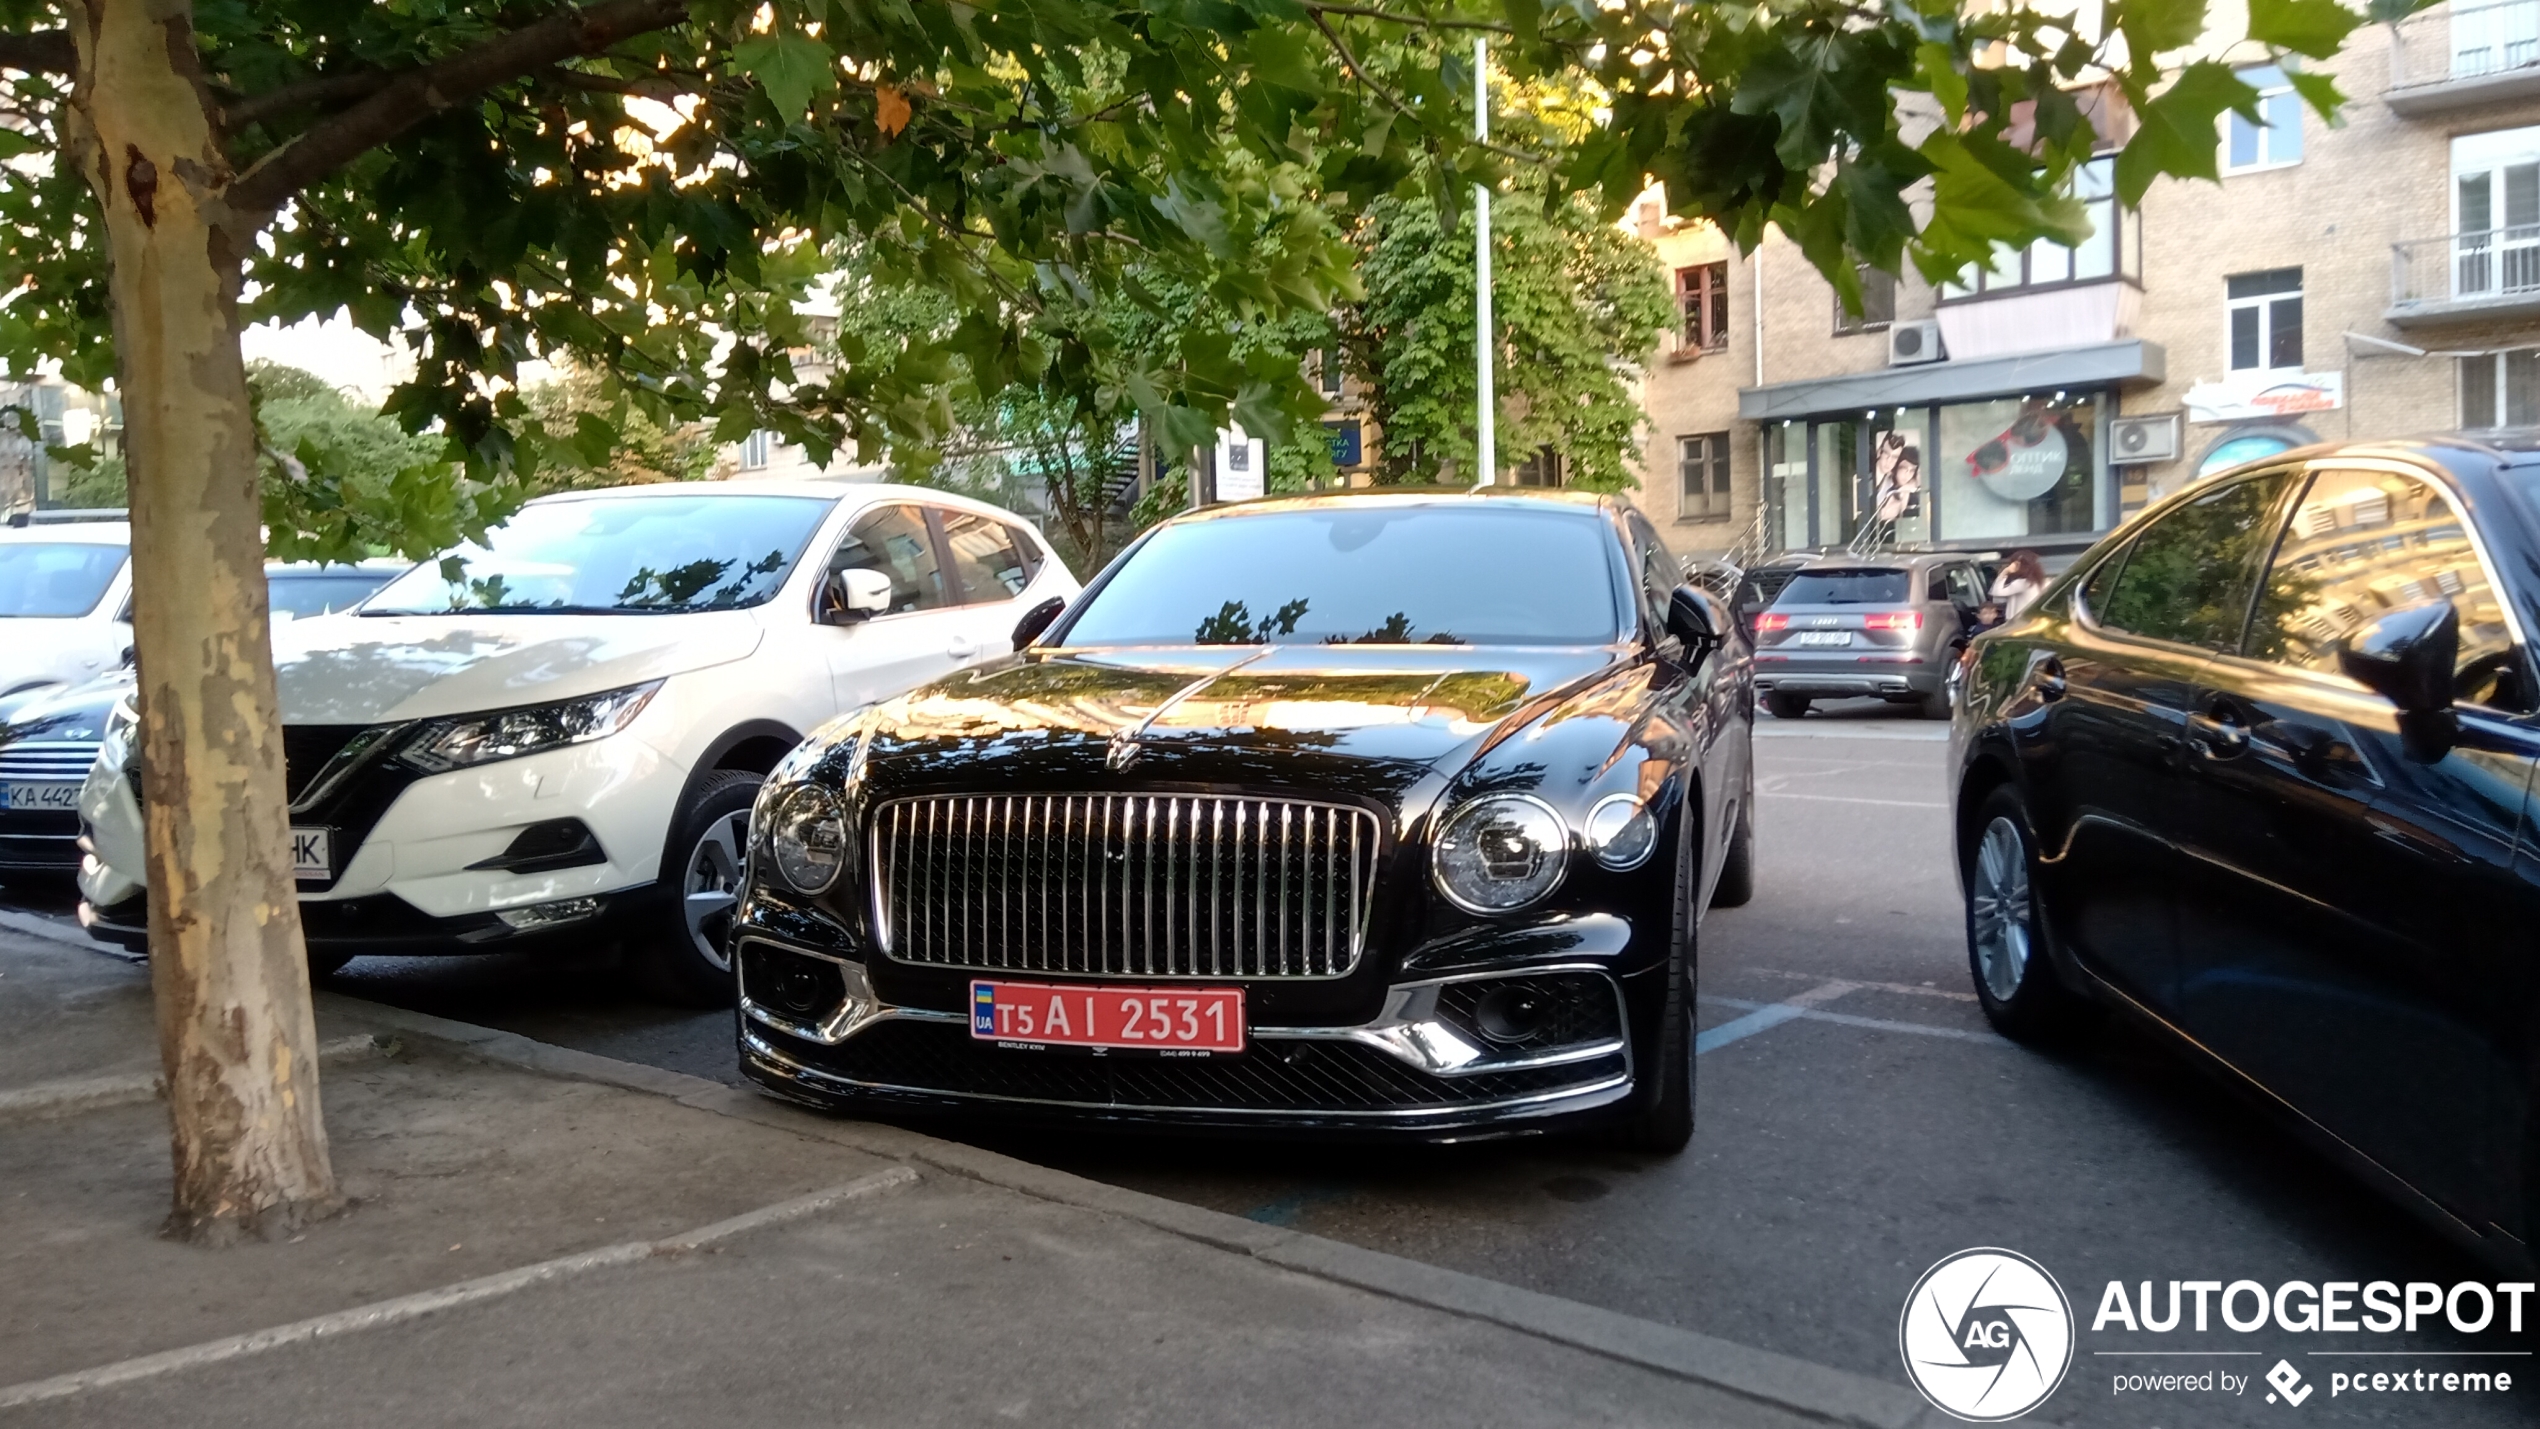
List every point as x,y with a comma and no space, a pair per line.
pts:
1785,706
1737,871
2007,932
1660,1119
681,934
1934,705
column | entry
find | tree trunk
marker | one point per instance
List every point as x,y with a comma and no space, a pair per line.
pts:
226,963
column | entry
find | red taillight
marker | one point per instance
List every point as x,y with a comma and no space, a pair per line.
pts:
1893,620
1769,621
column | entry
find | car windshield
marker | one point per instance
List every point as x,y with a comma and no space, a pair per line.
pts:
1867,585
301,594
618,555
55,580
1366,575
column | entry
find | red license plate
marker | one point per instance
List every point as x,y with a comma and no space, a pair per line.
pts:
1181,1021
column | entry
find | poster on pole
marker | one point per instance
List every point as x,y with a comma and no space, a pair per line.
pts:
1240,460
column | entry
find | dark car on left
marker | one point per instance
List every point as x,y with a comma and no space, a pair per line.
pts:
1376,814
2256,773
49,737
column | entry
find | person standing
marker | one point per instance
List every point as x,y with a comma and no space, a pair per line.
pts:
2016,588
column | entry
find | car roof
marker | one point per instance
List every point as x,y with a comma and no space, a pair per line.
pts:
1544,497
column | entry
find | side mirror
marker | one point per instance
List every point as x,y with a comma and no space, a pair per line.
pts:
851,595
2407,658
1695,617
1039,618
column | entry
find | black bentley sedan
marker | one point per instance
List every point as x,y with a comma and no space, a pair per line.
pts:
2256,771
1362,812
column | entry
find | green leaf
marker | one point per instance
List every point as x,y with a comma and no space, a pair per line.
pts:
2155,27
2177,131
1974,206
2321,93
1280,56
1937,66
594,438
2306,27
792,68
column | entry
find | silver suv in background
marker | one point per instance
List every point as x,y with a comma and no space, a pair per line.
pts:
1887,626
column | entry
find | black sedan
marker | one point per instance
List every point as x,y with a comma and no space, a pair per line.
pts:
2255,771
1344,813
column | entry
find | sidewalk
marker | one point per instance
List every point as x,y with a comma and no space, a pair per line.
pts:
545,1237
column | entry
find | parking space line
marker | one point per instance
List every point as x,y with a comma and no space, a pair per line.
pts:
1841,1019
1910,989
1762,1017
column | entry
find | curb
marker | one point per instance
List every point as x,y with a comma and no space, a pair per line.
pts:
46,1100
1777,1381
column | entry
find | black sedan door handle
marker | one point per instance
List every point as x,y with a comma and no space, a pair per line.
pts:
2217,738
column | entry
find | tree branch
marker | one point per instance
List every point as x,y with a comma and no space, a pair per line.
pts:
325,89
39,52
1423,21
1350,62
416,95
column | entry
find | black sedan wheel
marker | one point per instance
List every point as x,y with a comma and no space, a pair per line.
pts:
2020,991
1661,1116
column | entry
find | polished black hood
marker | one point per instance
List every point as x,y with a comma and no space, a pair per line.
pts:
1370,721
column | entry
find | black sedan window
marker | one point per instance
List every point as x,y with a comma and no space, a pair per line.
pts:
2188,575
1369,575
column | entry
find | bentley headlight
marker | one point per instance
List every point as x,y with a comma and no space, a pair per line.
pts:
1500,852
1620,832
449,744
807,838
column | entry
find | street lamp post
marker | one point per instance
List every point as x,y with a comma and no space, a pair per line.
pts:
1486,435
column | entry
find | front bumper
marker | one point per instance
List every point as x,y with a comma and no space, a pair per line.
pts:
384,925
812,1029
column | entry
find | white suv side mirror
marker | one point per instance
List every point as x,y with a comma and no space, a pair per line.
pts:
853,595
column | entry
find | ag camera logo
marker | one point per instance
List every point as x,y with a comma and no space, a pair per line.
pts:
1987,1335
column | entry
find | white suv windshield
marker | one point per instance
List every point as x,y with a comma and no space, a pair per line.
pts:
618,555
46,580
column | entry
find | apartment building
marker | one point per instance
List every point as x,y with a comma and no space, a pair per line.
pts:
2380,278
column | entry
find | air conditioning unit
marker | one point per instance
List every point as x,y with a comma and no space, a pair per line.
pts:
2135,440
1912,342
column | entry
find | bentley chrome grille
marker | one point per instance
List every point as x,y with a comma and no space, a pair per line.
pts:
1129,885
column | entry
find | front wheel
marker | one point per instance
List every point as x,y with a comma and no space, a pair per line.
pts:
1737,871
2020,992
685,935
1660,1120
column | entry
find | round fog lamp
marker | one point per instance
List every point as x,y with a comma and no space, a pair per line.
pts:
1500,852
807,838
1621,832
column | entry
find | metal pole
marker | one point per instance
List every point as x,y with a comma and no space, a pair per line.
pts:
1486,425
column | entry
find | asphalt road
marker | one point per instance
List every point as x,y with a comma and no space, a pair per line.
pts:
1857,1122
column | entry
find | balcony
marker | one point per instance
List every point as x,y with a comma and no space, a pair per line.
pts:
2455,56
2466,277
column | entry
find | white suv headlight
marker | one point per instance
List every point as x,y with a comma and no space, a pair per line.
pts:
449,744
1500,852
807,838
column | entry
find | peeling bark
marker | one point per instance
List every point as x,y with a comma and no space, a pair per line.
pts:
227,967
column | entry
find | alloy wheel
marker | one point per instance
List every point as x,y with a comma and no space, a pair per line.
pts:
1998,902
712,886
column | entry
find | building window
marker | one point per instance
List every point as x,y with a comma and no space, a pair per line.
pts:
2276,142
2496,212
2265,314
1328,372
2113,249
2501,389
1878,303
1702,293
754,451
1542,467
1702,470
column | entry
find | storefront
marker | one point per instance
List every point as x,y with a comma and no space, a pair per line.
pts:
1972,454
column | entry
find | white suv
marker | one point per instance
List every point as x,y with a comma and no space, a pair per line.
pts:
63,619
569,734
